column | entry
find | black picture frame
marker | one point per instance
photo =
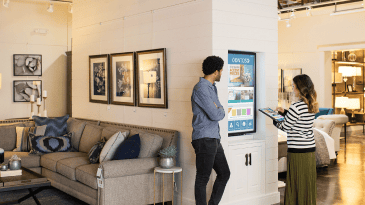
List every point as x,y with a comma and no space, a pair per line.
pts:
23,89
27,64
99,79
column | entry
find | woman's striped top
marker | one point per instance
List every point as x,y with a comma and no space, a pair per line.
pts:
298,124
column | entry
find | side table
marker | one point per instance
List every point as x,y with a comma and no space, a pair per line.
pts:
172,171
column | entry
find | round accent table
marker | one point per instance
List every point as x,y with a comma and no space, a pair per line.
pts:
172,171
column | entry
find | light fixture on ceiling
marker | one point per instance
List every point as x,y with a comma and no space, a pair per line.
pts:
6,3
288,23
292,14
279,18
70,9
50,8
309,12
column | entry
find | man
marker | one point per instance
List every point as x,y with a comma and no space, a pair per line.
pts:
208,111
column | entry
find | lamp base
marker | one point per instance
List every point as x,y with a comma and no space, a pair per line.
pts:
353,119
343,111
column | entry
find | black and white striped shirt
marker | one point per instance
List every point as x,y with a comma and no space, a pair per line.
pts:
298,124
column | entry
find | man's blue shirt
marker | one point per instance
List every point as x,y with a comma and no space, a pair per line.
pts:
206,114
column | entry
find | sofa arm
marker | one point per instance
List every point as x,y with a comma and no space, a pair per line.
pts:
127,167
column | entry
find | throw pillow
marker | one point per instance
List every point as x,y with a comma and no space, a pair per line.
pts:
95,151
90,136
55,126
8,136
111,146
150,143
77,127
22,137
129,149
108,132
48,144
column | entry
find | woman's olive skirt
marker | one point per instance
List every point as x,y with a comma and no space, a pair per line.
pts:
301,177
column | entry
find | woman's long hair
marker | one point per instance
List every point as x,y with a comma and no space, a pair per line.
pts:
306,92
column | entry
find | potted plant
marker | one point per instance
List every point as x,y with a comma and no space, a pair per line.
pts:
167,154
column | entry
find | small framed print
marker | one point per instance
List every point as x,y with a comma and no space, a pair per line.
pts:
122,75
349,88
23,89
151,78
27,65
99,79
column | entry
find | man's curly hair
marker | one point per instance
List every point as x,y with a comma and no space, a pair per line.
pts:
211,64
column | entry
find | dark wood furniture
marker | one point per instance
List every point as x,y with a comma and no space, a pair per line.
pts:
27,180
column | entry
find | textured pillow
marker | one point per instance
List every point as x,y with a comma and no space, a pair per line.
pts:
108,132
8,136
55,126
22,137
111,146
150,144
95,151
90,136
129,149
77,127
49,144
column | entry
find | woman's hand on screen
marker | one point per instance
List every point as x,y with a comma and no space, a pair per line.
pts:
280,109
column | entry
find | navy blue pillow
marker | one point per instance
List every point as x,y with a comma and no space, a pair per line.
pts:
129,149
55,126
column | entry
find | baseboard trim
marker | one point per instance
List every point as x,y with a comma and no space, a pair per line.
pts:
268,199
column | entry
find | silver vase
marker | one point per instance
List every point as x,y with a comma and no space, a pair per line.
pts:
166,163
15,165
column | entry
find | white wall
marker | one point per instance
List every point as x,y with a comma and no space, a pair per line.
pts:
300,45
251,26
17,25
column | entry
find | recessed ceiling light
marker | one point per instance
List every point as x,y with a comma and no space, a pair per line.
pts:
288,24
309,12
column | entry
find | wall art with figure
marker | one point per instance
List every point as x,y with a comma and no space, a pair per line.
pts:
27,64
99,79
23,89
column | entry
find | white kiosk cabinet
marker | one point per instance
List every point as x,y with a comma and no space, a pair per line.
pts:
247,165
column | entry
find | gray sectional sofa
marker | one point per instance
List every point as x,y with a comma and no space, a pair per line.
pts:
125,181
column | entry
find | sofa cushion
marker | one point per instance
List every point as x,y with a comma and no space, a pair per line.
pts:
94,153
112,145
23,143
108,132
28,160
67,167
77,127
47,144
129,149
55,126
50,160
90,136
86,174
150,143
8,137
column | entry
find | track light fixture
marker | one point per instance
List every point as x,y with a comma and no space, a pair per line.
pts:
292,14
6,3
50,8
309,12
70,9
288,23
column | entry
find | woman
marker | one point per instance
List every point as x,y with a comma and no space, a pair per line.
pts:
301,175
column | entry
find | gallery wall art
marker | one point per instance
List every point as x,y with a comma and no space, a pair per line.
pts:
99,79
122,83
151,78
23,89
27,64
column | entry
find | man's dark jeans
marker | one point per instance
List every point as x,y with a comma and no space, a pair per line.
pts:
210,155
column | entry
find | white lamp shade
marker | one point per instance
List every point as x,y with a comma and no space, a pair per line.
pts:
338,77
347,71
353,103
358,71
149,77
341,102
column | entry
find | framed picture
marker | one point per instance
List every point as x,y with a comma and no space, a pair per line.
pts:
99,78
27,64
23,89
287,76
349,88
151,78
122,84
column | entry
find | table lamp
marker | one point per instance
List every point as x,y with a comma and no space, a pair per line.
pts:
341,102
353,104
149,77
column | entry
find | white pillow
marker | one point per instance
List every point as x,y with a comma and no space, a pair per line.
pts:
112,145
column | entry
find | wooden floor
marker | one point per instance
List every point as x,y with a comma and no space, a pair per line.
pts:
342,183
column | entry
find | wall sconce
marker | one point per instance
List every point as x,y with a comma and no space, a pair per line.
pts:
148,78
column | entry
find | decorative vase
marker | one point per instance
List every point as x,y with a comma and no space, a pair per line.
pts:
166,162
15,164
3,167
351,56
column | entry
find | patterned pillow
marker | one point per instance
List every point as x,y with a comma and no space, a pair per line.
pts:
55,126
48,144
95,151
22,137
129,149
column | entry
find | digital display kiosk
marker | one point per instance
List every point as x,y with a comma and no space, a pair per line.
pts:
241,93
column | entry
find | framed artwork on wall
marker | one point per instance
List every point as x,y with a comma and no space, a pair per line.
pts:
151,78
23,89
99,79
27,65
122,75
287,76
